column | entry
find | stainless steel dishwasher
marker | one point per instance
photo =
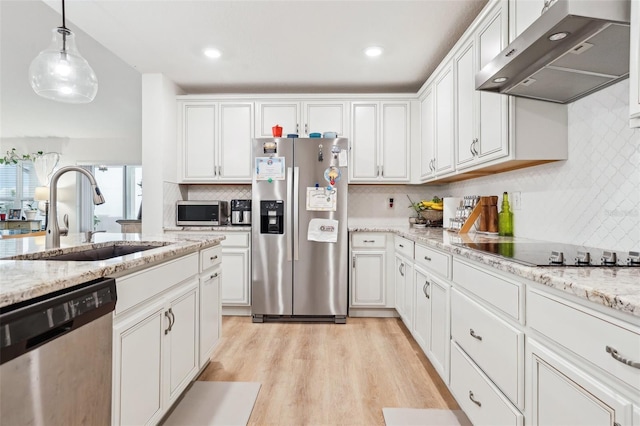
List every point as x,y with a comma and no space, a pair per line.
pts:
55,357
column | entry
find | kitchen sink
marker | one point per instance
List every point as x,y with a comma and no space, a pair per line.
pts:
94,252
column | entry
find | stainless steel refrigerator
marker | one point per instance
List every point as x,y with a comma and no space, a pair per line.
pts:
299,229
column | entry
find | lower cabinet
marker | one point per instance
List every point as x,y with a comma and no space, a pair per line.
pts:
210,312
236,280
155,356
367,278
404,290
431,326
562,394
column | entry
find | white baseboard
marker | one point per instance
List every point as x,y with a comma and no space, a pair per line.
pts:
236,311
373,313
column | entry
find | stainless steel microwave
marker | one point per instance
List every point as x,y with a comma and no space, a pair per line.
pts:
202,213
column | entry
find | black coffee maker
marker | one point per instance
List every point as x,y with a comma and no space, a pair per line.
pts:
241,212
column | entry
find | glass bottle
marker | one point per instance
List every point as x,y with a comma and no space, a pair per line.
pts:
505,218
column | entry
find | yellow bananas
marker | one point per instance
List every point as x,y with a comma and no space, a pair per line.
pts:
431,205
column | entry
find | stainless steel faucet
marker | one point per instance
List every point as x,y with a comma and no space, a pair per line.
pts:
53,230
88,235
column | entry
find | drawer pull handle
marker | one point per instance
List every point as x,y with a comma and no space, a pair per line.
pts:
475,401
401,245
474,335
212,258
424,289
427,258
213,276
614,354
369,241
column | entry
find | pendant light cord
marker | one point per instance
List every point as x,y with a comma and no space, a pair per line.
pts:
64,31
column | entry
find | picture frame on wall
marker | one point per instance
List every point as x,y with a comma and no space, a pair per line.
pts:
15,214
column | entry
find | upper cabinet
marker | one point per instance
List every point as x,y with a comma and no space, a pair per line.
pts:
634,66
215,141
380,142
490,132
301,118
522,13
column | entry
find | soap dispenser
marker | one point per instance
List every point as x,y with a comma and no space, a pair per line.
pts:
505,218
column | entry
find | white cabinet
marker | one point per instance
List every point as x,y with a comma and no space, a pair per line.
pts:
137,349
634,66
481,117
431,321
210,307
522,13
444,140
159,326
370,275
427,136
368,287
404,290
236,264
181,340
562,394
301,117
380,142
215,141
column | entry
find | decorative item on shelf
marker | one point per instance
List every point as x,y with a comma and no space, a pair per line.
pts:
30,212
276,131
15,214
60,73
428,212
466,214
488,222
505,218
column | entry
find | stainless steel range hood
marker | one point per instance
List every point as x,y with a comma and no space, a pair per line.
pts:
593,54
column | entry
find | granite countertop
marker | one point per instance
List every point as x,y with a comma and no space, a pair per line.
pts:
22,279
196,229
616,287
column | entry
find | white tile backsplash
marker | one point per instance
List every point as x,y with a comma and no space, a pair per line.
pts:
593,198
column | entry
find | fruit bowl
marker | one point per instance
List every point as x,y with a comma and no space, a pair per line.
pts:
431,215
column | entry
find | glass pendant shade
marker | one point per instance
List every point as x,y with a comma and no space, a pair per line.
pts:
61,74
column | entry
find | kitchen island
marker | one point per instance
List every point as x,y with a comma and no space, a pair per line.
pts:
24,279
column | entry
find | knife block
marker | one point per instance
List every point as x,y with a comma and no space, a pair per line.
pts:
488,215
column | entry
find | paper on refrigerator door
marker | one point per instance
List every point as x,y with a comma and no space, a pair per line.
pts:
321,199
323,230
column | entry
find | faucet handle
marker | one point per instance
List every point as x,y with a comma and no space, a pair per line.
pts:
89,235
65,230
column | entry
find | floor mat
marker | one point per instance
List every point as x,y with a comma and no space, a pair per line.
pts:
215,404
424,417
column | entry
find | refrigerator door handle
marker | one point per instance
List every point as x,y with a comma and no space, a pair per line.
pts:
288,215
296,231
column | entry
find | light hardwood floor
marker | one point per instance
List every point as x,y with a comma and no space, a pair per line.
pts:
327,374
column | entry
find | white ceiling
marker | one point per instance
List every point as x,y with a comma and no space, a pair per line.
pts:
272,46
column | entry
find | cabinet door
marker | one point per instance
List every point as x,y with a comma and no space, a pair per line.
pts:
210,311
181,341
444,121
522,14
439,333
236,281
137,363
422,321
365,165
394,165
236,132
367,278
466,105
320,117
409,294
427,136
493,133
284,114
634,66
563,395
198,142
399,286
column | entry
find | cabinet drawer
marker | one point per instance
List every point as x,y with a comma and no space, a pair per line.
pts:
236,239
469,384
210,257
498,291
586,334
140,286
368,240
403,246
497,348
433,260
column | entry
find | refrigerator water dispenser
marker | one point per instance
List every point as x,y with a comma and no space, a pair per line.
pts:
272,217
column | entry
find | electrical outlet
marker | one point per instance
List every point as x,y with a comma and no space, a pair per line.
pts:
390,202
516,199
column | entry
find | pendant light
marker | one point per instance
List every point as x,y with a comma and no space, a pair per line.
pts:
60,73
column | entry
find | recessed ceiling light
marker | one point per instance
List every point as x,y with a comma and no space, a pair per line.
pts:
373,51
499,79
558,36
212,53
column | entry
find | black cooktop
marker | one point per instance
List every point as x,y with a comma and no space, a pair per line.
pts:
555,254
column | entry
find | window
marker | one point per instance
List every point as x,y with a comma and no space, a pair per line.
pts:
122,189
17,186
